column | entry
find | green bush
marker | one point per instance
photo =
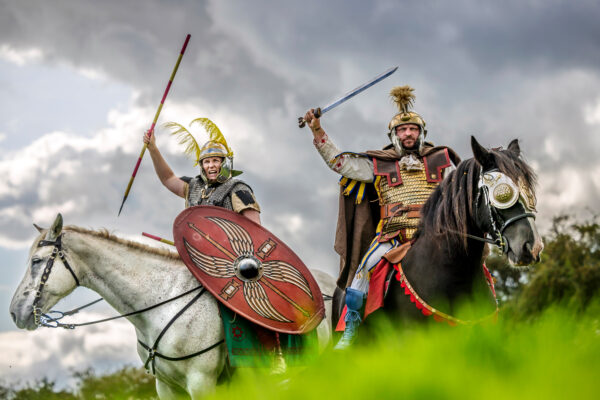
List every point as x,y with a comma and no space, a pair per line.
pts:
568,273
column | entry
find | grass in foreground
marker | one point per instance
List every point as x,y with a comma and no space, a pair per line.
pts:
556,356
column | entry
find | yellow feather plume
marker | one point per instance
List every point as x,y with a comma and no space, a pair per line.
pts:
403,97
192,149
214,133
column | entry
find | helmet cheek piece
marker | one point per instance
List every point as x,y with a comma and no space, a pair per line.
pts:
213,149
399,119
396,140
226,168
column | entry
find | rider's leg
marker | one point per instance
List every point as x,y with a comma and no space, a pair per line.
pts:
357,292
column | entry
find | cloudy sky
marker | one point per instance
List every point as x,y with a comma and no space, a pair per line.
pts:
80,83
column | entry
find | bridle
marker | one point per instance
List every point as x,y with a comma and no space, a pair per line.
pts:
497,224
496,219
45,320
39,317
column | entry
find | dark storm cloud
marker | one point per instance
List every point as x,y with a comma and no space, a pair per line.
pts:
495,70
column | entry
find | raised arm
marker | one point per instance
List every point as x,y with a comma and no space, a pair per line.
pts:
350,165
163,171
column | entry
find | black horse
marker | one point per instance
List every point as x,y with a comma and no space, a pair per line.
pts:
488,198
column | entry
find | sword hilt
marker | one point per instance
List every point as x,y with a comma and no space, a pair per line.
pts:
302,122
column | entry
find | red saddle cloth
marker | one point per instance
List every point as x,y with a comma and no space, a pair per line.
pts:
378,285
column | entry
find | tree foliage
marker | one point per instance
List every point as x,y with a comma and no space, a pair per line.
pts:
568,273
126,384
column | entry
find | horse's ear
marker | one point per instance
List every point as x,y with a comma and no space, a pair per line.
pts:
514,147
55,229
39,228
483,157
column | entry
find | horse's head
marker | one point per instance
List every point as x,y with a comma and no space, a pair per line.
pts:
505,202
48,278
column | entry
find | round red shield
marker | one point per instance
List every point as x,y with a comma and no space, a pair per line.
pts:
248,269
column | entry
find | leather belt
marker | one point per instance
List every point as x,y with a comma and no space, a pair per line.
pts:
394,209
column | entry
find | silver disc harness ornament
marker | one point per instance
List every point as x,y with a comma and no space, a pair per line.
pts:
501,192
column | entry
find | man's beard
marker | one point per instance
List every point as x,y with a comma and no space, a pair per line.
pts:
401,150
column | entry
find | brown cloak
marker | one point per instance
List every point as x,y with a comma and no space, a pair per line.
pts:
357,223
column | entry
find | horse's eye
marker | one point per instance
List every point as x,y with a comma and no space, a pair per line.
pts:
36,260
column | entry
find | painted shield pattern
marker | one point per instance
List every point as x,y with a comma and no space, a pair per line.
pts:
248,269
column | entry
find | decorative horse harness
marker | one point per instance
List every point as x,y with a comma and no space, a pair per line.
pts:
45,320
504,194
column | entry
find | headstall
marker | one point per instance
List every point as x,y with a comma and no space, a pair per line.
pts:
505,194
42,319
39,317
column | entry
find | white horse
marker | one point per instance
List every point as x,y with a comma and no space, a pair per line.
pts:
131,276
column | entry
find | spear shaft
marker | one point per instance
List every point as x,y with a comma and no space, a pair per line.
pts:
162,102
163,240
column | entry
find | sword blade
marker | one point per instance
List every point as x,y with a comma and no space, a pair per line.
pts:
322,110
358,90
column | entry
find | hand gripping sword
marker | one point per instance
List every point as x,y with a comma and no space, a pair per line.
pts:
320,111
162,102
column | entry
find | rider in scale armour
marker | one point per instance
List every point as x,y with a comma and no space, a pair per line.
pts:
401,177
215,184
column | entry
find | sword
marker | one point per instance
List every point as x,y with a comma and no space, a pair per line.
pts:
320,111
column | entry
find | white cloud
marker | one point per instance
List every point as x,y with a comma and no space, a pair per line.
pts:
592,113
20,57
253,73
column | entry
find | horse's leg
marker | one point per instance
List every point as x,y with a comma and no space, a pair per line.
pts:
167,391
327,285
200,383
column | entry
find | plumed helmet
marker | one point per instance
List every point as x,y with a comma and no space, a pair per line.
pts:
403,97
212,149
215,147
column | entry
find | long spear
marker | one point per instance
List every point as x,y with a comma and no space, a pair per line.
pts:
163,240
137,165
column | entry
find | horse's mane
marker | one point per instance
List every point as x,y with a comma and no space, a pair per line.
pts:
451,205
105,234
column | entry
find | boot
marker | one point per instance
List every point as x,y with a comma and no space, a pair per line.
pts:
354,302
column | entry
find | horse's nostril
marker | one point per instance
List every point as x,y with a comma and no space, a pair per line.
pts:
14,317
528,249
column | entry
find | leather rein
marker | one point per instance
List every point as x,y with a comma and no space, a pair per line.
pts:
45,320
498,237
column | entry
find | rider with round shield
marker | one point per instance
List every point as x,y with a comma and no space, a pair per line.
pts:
381,195
214,186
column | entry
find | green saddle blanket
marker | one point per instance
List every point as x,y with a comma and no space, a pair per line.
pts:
251,345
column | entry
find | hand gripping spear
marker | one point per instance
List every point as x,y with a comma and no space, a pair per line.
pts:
320,111
137,165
